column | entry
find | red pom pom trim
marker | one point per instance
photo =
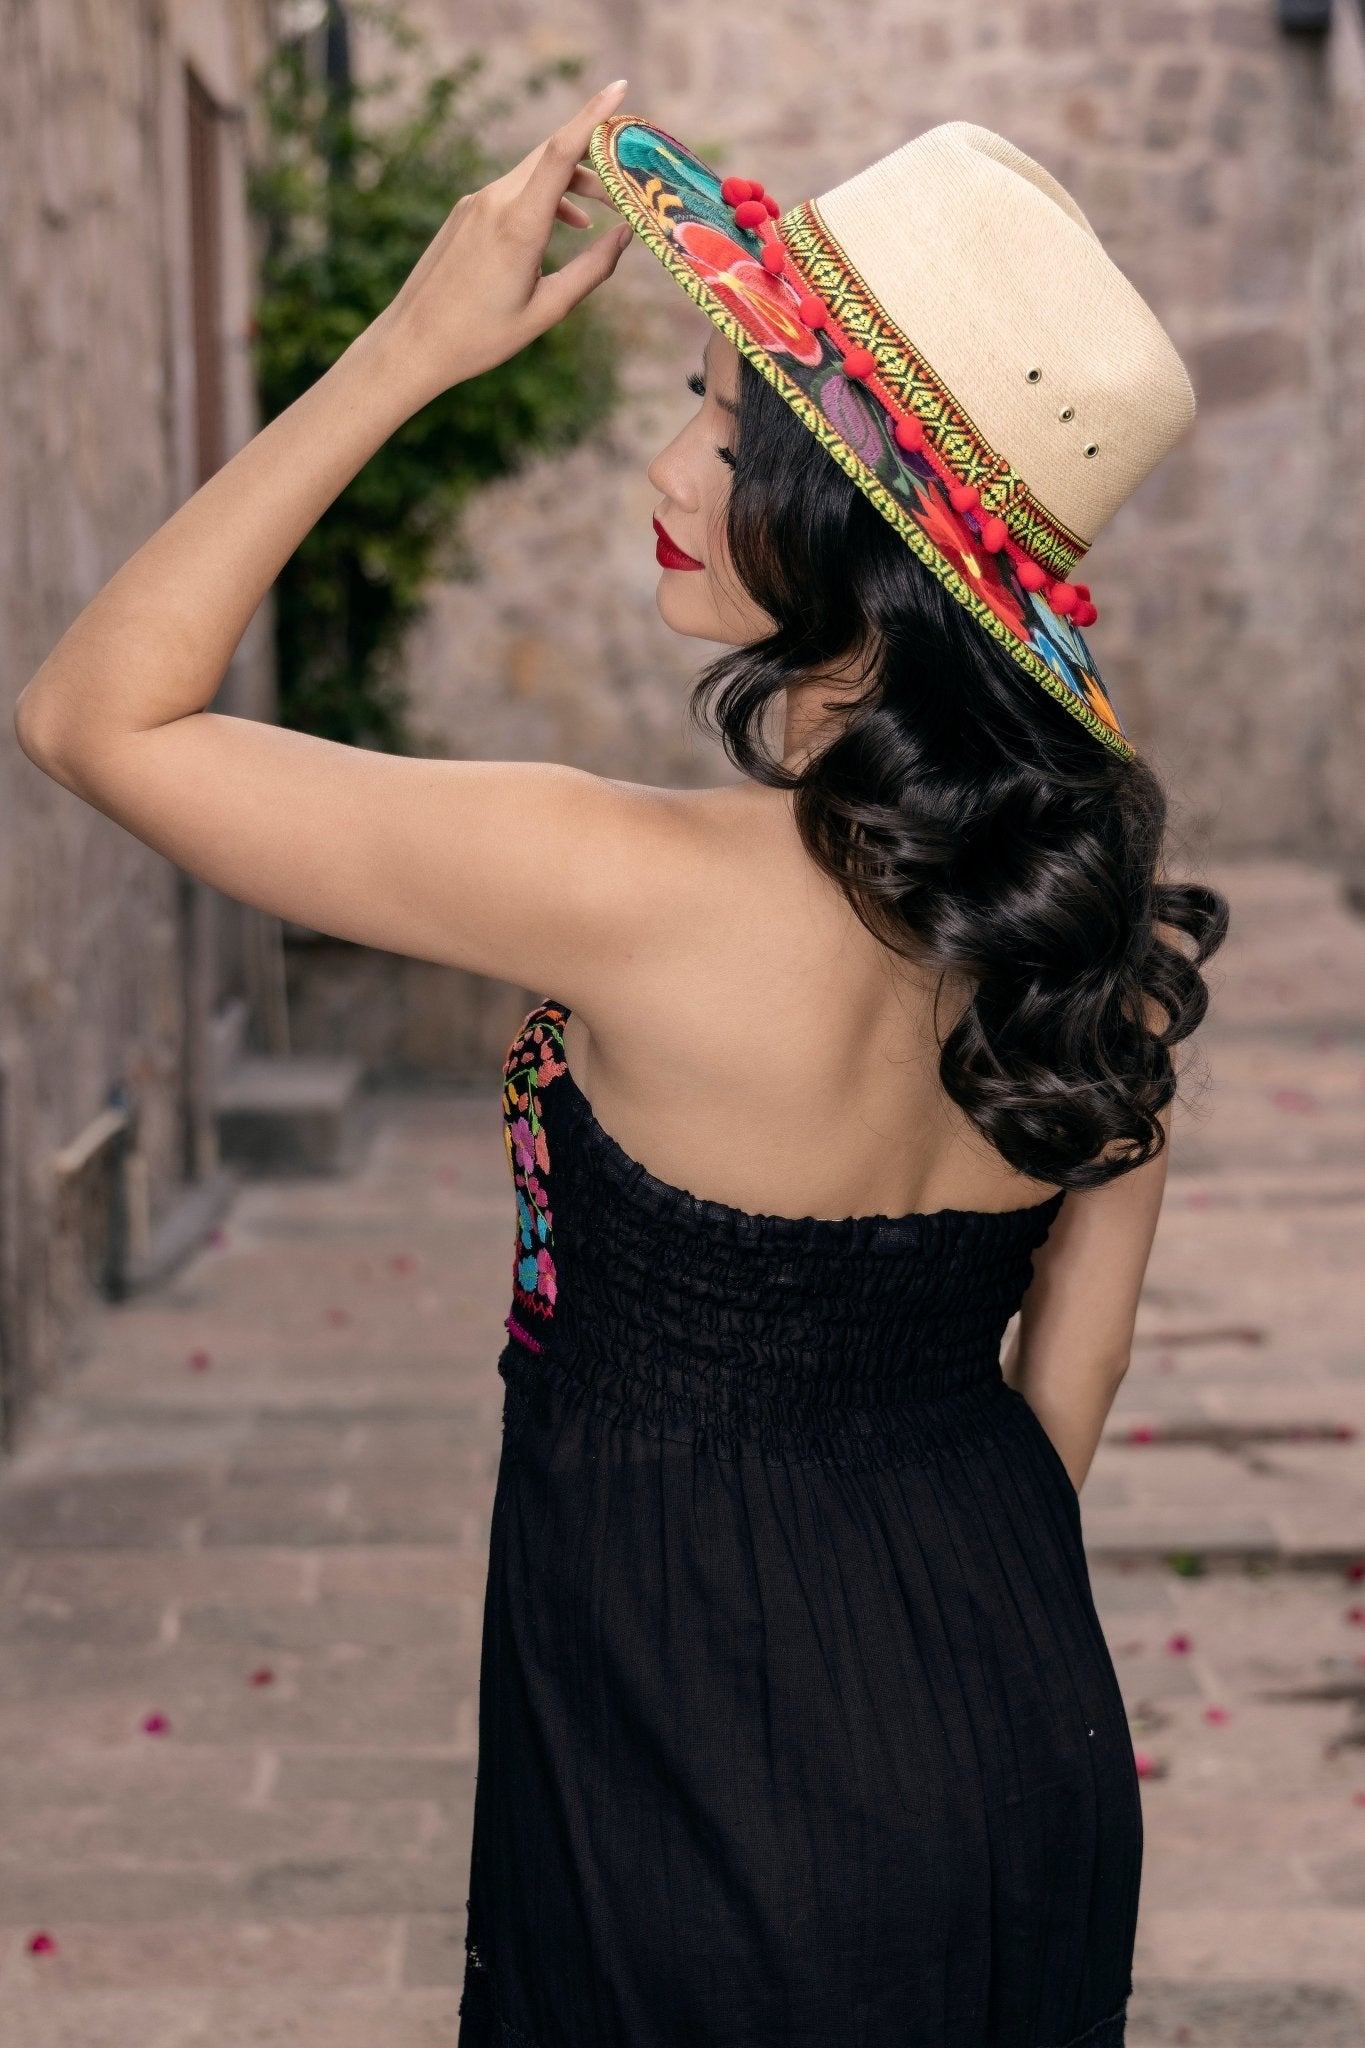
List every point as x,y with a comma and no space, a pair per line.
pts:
909,434
771,204
859,362
964,497
773,257
1031,574
993,534
734,190
811,311
1063,598
1085,613
750,213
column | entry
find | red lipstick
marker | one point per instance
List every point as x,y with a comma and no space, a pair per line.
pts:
668,554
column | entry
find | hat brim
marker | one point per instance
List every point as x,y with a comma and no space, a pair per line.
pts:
672,200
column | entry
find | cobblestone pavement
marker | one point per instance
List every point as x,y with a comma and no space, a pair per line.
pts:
243,1562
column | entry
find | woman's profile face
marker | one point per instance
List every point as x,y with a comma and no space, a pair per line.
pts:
698,593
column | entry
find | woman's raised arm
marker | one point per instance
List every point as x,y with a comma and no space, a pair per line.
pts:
428,857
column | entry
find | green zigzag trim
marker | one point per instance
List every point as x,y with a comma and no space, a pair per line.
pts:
873,487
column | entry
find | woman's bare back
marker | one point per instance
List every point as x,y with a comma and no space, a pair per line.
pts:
768,1052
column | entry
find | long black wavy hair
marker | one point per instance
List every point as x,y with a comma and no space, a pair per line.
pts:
974,825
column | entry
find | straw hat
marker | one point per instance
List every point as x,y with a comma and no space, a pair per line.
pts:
948,325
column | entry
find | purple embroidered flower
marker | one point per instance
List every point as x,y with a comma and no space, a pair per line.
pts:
848,414
523,1144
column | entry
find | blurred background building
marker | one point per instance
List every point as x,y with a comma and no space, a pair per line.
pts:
124,382
152,1032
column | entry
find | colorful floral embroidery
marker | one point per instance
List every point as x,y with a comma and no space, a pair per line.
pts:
958,544
766,304
530,1066
674,202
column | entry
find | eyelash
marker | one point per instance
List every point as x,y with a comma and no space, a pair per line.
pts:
697,383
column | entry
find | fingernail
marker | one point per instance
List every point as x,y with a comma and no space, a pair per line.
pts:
612,87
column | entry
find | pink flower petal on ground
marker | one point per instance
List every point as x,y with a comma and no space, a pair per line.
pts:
1344,1432
155,1724
1358,1798
200,1361
217,1238
1142,1433
1178,1645
41,1945
1356,1615
1199,1200
265,1676
1149,1766
1166,1363
1356,1568
1216,1716
403,1262
338,1317
1297,1099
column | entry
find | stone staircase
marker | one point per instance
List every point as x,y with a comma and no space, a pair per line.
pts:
288,1112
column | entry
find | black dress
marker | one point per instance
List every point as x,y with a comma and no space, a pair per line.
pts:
797,1728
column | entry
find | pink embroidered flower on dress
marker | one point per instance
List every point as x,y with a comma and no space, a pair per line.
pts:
545,1275
523,1144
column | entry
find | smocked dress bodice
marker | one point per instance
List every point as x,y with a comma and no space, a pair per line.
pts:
759,1332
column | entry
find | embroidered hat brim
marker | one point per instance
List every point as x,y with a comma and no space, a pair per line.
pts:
674,202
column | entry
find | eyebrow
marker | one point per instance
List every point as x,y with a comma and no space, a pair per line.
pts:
726,404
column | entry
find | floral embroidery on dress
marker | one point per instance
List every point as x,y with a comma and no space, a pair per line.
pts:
534,1058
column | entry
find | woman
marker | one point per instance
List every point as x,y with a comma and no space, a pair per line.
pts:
797,1722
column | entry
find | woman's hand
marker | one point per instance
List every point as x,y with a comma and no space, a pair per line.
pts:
477,294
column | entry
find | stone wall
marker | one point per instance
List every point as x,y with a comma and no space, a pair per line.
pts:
101,939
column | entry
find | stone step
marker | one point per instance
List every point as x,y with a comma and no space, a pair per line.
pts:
291,1113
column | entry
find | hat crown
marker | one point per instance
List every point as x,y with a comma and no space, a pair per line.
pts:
999,283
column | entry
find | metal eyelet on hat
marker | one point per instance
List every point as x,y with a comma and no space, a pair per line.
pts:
1033,375
1092,447
1068,412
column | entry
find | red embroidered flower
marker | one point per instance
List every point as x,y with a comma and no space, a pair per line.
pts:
955,540
765,305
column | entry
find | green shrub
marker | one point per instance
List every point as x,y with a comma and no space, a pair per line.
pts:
346,200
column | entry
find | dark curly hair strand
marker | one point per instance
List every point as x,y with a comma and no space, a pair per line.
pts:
975,826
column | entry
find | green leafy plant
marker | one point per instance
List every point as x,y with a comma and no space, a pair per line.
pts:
346,197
